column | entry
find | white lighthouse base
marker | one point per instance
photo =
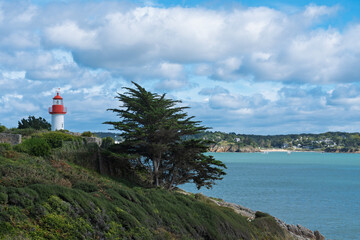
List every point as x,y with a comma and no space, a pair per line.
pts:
57,122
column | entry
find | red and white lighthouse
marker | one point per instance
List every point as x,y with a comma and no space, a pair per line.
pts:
57,112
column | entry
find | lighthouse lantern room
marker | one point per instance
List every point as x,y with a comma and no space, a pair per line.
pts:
57,112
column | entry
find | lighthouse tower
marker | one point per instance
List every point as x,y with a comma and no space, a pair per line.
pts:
57,112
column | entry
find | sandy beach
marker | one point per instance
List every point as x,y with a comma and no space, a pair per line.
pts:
276,150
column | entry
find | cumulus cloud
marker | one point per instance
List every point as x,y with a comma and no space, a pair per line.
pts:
257,43
69,34
345,96
221,56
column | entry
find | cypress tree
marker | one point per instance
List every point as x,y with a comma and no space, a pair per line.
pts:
154,129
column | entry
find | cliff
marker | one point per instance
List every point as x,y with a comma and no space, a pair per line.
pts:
231,147
62,196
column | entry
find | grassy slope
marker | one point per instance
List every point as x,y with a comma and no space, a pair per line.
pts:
52,198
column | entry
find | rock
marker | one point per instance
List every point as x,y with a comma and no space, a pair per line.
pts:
13,139
247,212
306,232
318,235
231,148
96,140
296,232
75,134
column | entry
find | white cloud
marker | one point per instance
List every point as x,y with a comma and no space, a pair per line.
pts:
69,34
314,11
21,40
27,15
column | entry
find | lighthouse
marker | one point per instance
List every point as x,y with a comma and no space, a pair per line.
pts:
57,112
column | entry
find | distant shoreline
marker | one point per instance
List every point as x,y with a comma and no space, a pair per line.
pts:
285,150
270,150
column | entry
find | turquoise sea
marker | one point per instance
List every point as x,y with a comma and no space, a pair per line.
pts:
320,191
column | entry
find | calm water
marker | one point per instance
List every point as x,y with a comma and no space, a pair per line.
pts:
320,191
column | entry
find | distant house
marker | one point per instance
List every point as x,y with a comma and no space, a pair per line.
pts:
237,139
285,145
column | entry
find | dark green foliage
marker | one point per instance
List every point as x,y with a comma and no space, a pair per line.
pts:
153,128
2,128
3,198
87,134
259,214
86,186
34,146
269,224
35,123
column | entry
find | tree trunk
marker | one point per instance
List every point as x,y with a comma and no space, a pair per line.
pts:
156,172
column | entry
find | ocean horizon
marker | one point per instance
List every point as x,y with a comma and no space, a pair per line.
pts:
320,191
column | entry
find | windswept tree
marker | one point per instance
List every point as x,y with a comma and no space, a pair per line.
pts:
154,130
35,123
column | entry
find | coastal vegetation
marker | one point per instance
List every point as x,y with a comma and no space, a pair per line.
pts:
62,195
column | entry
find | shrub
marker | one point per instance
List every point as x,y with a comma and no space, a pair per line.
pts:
86,186
5,147
63,131
21,148
23,197
56,139
107,142
259,214
24,132
34,146
87,134
2,128
3,198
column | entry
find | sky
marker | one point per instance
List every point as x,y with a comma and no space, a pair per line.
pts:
251,67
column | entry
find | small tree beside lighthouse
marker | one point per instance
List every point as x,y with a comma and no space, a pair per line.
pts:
57,111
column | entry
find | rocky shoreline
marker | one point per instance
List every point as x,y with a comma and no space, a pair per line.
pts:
250,149
296,232
232,148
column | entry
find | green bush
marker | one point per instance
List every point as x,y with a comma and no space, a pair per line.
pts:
21,148
107,142
24,132
63,131
34,146
23,197
86,187
5,147
3,198
56,139
259,214
2,128
87,134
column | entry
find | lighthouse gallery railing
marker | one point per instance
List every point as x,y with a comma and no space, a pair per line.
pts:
51,110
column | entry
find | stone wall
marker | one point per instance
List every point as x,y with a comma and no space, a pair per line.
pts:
13,139
96,140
